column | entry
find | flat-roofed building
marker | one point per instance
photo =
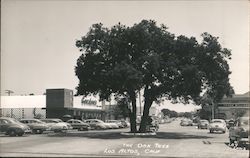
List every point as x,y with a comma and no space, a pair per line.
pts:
55,104
232,107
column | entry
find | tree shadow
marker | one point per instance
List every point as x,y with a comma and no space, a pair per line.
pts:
118,135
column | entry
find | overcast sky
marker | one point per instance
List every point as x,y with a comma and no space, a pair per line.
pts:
38,37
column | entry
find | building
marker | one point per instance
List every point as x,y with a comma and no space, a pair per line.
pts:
59,102
55,104
232,107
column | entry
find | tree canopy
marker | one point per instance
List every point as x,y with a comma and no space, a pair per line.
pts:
123,60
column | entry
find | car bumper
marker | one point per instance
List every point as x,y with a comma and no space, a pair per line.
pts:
27,131
217,129
246,140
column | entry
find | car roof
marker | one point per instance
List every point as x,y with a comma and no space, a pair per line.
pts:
51,119
218,120
28,119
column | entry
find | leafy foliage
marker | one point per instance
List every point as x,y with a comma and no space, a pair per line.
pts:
123,60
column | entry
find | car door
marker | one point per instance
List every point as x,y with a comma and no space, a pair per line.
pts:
4,125
92,123
74,124
78,123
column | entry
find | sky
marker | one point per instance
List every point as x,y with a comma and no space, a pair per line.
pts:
38,37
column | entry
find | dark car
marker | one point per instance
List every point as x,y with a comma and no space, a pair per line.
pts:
230,123
79,125
239,133
12,127
203,124
125,123
35,125
186,122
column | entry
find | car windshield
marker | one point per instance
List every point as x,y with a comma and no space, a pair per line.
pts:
39,121
216,121
100,121
204,121
50,121
13,120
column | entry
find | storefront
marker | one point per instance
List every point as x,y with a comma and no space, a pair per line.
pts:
55,104
233,107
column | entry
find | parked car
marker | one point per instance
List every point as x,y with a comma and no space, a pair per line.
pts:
57,125
186,122
230,123
203,124
118,122
113,124
35,125
97,124
217,125
239,133
125,123
79,125
12,127
152,124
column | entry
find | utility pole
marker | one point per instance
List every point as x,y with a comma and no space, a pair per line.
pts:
9,92
212,110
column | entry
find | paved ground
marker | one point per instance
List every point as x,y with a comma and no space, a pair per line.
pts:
172,140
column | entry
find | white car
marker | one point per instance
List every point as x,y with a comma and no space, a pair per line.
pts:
118,122
97,124
57,125
217,125
112,123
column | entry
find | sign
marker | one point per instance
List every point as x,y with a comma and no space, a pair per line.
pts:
88,102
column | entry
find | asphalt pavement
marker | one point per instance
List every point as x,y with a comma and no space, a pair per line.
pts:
172,140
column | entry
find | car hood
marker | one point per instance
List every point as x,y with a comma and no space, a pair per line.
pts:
24,126
216,124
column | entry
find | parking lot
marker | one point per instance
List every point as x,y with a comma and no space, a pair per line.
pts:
172,140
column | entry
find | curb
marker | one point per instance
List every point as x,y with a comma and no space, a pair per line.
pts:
139,134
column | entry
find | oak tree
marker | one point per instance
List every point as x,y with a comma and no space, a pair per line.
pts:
124,60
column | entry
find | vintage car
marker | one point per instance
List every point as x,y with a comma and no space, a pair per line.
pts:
97,124
186,122
113,124
79,125
203,124
57,125
35,125
125,123
239,133
230,123
217,125
12,127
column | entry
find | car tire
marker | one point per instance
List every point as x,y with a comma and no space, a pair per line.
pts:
211,131
223,131
56,131
12,133
231,141
38,131
98,128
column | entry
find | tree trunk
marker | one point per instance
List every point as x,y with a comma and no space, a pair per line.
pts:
133,128
146,108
